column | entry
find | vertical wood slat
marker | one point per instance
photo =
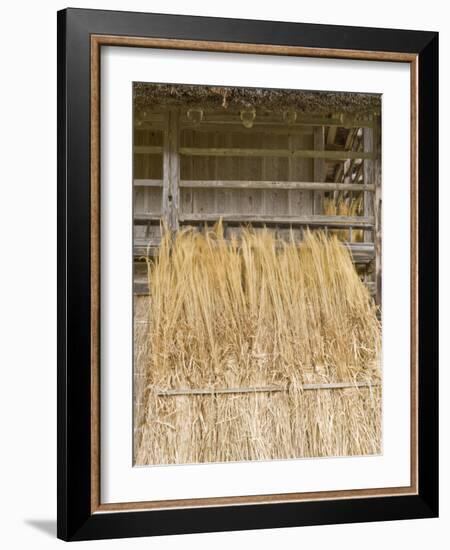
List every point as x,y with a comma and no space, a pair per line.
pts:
165,207
319,169
276,203
263,177
216,171
171,170
223,196
203,199
233,171
291,210
252,198
188,205
174,172
301,200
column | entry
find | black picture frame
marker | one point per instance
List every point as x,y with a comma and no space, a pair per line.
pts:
76,521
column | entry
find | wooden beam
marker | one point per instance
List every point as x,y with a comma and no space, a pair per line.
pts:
240,152
259,389
148,149
264,123
368,179
174,169
300,185
361,252
377,202
165,206
147,183
144,218
147,241
277,128
357,222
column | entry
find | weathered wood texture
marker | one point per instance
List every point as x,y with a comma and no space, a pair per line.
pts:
373,201
148,182
272,174
319,169
286,152
147,168
377,211
319,220
244,184
368,179
174,170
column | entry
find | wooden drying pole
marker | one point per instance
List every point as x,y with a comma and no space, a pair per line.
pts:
261,389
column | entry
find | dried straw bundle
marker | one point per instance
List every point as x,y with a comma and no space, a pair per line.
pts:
348,206
249,314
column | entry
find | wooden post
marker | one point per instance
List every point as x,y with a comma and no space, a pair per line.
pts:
377,211
368,179
174,198
165,207
171,171
319,168
372,201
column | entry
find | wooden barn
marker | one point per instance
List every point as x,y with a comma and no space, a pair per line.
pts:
282,159
251,348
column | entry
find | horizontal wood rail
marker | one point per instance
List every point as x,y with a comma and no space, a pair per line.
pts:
270,389
296,153
299,185
148,183
245,184
361,252
261,128
143,219
260,123
356,222
148,149
237,128
145,243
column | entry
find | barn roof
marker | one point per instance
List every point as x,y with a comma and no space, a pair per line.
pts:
155,96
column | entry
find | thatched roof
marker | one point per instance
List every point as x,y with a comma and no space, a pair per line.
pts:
155,96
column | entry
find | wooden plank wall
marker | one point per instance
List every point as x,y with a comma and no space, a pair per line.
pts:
159,167
147,199
257,202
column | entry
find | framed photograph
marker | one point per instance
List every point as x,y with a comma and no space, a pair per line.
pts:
247,254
